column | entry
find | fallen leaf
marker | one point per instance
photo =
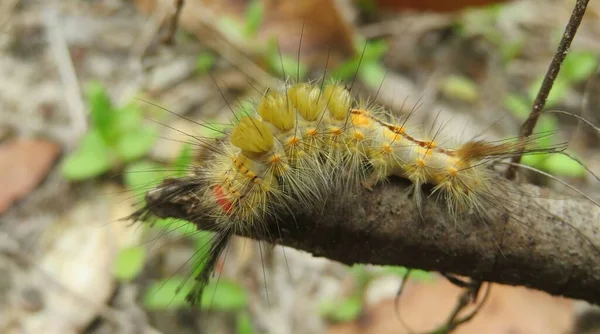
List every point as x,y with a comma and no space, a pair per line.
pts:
426,306
432,5
74,262
326,35
24,163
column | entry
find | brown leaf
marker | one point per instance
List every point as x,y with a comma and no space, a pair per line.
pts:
432,5
326,32
24,164
426,306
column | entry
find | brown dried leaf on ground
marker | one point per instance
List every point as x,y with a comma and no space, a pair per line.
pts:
326,31
432,5
426,306
24,163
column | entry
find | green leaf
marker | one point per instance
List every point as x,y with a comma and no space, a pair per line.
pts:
244,324
136,143
395,270
368,7
562,165
372,74
416,274
204,62
129,263
103,116
421,275
345,311
216,130
372,53
176,226
254,17
92,158
510,49
231,28
557,93
579,65
517,106
183,161
460,88
284,65
168,294
203,242
140,176
346,70
534,160
128,118
224,295
547,126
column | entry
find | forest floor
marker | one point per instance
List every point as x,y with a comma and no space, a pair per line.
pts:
68,264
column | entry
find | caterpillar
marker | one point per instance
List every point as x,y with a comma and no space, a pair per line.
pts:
300,143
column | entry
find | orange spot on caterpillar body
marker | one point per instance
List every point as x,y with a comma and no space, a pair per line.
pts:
221,198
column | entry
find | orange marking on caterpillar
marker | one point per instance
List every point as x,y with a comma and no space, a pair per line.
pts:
222,200
359,136
312,132
275,158
361,119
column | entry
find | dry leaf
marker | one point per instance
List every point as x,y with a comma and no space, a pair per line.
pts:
326,31
432,5
24,163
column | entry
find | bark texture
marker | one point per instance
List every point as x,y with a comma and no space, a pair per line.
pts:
538,240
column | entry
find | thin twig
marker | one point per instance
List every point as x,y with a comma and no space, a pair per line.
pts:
548,82
66,70
453,322
173,23
397,300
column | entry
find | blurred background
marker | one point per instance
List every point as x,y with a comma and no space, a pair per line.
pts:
82,137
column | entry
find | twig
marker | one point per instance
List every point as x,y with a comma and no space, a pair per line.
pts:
173,23
201,21
397,299
66,70
538,241
548,82
463,301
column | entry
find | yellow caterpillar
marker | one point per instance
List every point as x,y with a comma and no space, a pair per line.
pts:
301,143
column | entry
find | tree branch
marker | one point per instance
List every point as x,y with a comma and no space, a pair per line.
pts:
539,241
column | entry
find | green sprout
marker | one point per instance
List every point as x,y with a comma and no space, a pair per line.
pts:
117,136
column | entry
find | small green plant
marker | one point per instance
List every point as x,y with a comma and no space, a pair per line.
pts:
459,88
283,65
129,263
117,136
255,12
577,67
204,62
349,308
366,64
247,29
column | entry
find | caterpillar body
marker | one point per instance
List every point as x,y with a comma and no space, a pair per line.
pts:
300,143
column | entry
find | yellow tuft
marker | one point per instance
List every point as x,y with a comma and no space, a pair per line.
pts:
307,100
275,108
252,135
338,101
361,119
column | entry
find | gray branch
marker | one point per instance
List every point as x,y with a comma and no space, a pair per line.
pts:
538,241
